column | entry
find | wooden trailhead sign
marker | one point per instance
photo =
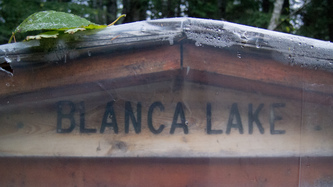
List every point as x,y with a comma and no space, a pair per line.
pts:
173,102
168,88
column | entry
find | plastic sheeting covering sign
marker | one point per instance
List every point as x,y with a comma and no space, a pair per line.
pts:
180,87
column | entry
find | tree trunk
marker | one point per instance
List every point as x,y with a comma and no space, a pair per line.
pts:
165,8
285,8
135,10
127,11
179,2
111,7
330,19
97,4
171,9
276,14
265,6
222,4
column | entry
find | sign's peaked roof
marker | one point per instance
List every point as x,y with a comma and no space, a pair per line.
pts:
285,48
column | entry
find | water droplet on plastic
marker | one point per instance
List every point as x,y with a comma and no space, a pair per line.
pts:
312,46
7,84
299,43
8,59
187,70
258,44
239,55
18,59
198,44
171,40
89,53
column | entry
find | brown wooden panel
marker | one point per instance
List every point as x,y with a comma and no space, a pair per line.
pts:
316,171
89,87
93,69
255,86
166,172
39,128
256,68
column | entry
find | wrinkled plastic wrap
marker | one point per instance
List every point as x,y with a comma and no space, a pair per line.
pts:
286,48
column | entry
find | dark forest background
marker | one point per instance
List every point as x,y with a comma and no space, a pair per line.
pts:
311,18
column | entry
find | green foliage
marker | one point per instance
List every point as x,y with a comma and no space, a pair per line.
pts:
54,21
316,20
316,16
285,25
203,9
248,13
13,12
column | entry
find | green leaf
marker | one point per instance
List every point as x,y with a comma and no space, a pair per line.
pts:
53,20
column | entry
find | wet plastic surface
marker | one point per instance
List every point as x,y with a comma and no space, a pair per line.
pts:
285,48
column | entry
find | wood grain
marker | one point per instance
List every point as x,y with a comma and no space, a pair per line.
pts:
93,69
40,171
256,68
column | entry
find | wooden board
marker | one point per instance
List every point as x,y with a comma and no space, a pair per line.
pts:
258,68
60,171
94,68
178,119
